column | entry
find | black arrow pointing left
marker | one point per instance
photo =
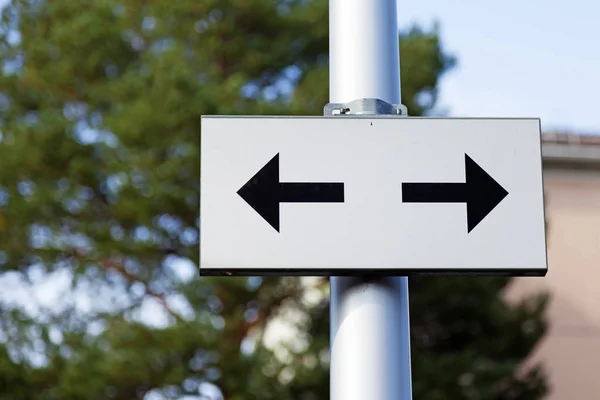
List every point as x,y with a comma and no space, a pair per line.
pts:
263,192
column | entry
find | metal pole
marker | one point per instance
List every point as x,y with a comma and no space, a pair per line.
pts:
364,57
370,326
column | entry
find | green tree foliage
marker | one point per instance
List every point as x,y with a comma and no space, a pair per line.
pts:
100,103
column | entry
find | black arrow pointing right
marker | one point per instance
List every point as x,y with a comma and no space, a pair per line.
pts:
480,192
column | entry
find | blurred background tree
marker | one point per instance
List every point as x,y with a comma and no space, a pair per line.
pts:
100,103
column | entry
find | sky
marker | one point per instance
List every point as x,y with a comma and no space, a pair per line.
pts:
518,58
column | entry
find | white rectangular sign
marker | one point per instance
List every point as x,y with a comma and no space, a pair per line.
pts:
371,195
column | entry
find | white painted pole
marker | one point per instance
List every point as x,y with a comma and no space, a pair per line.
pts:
363,51
370,325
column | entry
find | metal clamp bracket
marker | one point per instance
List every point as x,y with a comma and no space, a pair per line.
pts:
365,107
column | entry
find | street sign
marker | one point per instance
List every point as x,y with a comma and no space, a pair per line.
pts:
354,195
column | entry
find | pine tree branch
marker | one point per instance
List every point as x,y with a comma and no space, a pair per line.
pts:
113,264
